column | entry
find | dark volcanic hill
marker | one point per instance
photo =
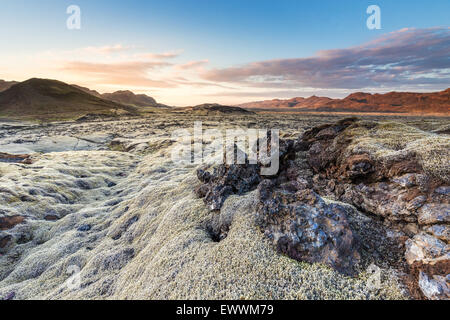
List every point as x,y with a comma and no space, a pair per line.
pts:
5,85
129,98
397,102
43,99
125,97
87,90
208,109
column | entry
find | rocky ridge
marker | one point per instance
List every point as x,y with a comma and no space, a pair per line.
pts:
393,173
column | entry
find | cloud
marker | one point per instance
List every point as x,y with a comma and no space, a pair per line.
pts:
280,94
158,56
107,49
199,84
132,73
192,64
119,48
417,57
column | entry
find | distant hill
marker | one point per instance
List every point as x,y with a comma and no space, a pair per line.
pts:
392,102
4,85
209,109
46,100
298,102
87,90
125,97
403,102
130,98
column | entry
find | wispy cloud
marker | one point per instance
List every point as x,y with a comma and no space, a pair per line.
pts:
103,66
192,64
402,58
159,56
131,73
107,49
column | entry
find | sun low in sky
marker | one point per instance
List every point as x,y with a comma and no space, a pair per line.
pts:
187,52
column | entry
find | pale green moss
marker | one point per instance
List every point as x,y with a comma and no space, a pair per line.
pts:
389,140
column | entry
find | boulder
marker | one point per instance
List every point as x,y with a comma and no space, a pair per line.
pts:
302,226
435,288
296,219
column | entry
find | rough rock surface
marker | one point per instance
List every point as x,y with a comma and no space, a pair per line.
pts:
131,224
387,170
392,171
298,221
23,158
226,180
306,228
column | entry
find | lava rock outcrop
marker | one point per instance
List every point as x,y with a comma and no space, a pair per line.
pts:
304,227
295,218
394,173
397,173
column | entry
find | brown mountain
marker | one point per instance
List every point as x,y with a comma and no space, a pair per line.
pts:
396,102
87,90
5,85
299,102
129,98
402,102
45,100
125,97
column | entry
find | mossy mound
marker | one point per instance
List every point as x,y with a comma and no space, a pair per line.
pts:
387,141
152,244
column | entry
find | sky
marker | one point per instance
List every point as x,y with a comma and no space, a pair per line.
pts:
186,52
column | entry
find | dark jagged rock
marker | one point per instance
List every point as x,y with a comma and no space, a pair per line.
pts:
305,228
296,219
84,228
226,180
240,178
365,164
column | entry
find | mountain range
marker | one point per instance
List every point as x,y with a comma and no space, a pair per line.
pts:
42,99
392,102
125,97
46,100
49,100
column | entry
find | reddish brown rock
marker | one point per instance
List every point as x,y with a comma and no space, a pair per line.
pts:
398,102
302,226
51,217
10,222
22,158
